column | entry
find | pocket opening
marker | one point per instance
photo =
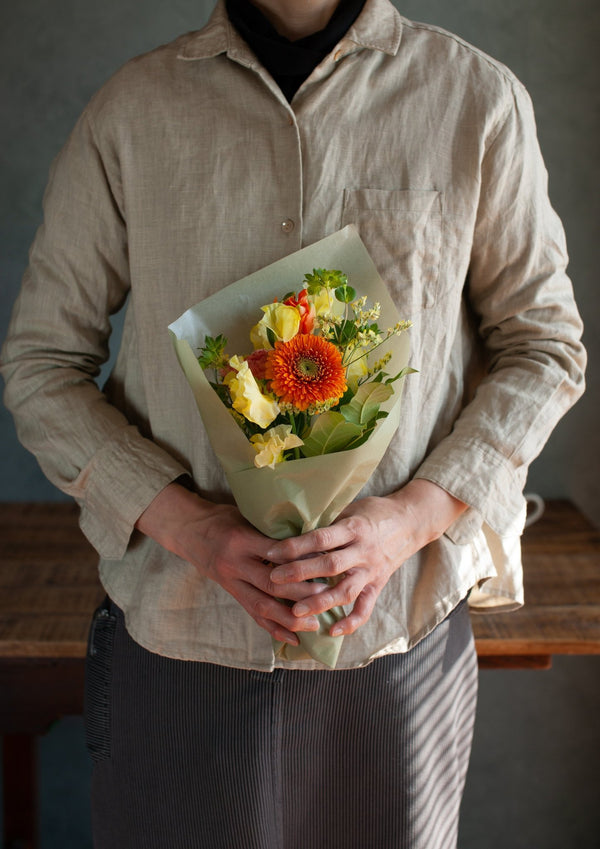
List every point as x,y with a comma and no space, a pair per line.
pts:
98,681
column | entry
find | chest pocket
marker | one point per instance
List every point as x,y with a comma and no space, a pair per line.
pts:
402,230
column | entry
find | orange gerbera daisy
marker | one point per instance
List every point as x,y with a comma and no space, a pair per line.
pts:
306,370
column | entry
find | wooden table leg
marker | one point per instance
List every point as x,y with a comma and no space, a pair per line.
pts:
19,756
34,693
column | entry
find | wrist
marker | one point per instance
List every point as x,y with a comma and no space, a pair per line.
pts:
434,509
168,513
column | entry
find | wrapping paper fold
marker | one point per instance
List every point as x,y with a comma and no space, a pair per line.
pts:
298,495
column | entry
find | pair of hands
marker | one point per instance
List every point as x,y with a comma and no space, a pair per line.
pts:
368,541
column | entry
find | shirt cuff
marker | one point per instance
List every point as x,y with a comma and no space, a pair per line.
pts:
113,491
480,477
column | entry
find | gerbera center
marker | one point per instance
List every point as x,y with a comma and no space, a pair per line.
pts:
308,368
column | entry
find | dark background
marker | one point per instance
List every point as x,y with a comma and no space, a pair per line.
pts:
533,781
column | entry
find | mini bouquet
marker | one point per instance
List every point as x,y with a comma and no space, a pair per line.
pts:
300,403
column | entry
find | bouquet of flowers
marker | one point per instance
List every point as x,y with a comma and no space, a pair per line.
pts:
302,413
308,387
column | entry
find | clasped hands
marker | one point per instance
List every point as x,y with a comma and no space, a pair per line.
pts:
273,580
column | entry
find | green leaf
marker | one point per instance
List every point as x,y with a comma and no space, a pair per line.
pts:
329,433
346,331
345,399
402,373
324,278
212,355
364,407
271,337
360,440
345,294
222,392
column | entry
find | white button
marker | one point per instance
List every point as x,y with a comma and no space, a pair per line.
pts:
288,225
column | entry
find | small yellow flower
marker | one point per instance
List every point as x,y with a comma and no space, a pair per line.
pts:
246,396
282,319
381,364
270,446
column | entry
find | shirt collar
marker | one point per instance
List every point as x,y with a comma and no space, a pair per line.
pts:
378,27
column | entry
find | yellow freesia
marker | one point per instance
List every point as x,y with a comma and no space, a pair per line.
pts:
270,446
281,319
246,396
356,371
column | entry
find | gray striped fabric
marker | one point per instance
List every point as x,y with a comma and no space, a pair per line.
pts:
198,756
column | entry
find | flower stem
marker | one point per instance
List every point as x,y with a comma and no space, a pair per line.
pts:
366,352
292,421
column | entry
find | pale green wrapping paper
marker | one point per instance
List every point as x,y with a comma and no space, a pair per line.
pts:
298,495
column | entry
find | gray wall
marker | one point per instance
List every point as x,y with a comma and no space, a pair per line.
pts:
54,55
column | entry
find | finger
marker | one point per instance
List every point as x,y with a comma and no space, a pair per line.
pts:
259,575
363,607
311,543
298,591
263,607
278,632
327,565
343,593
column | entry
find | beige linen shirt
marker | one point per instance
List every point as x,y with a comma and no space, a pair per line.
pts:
190,170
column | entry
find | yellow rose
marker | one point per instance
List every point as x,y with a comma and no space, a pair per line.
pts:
246,396
270,446
281,319
355,371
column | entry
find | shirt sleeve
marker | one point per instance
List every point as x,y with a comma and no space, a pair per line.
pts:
78,276
530,328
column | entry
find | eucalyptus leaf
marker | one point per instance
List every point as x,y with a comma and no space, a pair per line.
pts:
330,433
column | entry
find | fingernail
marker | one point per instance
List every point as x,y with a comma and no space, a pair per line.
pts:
336,631
301,609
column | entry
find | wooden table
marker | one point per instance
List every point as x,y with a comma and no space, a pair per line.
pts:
561,562
49,589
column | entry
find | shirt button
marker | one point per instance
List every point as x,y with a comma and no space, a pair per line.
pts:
287,225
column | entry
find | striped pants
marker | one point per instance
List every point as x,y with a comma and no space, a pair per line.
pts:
196,756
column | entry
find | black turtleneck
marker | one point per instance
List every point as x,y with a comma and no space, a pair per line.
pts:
290,62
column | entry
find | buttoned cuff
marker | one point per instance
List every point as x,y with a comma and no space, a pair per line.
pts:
479,476
123,478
